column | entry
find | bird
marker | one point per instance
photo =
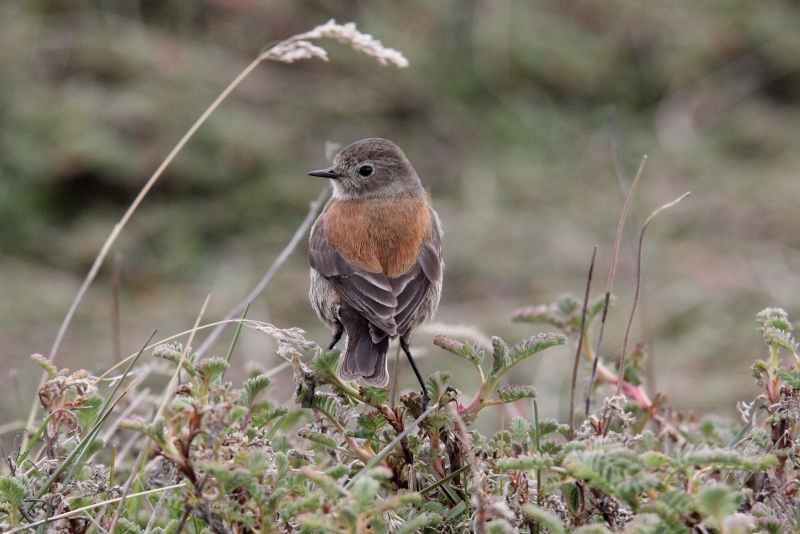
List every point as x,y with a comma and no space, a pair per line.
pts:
375,254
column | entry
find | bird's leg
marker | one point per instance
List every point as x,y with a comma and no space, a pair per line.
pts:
337,335
425,397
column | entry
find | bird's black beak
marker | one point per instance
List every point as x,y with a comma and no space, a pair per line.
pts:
325,173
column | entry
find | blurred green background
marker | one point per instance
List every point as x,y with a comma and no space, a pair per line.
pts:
526,121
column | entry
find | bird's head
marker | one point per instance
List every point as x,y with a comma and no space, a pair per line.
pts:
371,168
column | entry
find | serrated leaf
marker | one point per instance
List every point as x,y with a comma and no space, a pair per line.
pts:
45,364
514,393
654,459
375,396
211,368
717,502
519,429
371,421
537,314
307,504
780,338
325,365
560,313
237,413
126,526
503,436
546,427
253,386
550,447
499,355
331,406
14,489
538,343
262,417
458,348
326,483
174,353
760,369
437,384
791,377
337,471
438,419
774,318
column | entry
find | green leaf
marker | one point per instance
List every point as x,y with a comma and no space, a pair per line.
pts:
90,411
541,313
417,523
572,496
308,504
337,471
547,427
456,511
550,447
544,518
499,355
45,364
331,406
262,417
780,338
535,461
375,396
722,458
531,346
174,353
465,350
791,377
317,437
559,313
760,370
126,526
633,364
497,526
369,424
326,483
211,368
654,459
774,318
437,384
252,387
326,364
514,393
717,502
14,489
677,501
519,429
595,308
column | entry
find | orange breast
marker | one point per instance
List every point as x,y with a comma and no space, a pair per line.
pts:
379,235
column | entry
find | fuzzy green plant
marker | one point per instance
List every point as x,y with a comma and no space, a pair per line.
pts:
343,459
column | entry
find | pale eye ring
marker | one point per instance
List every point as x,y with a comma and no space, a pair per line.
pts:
365,170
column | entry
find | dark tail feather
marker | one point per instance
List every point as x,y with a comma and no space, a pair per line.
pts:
363,357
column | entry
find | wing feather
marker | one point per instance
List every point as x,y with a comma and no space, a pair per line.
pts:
368,293
389,304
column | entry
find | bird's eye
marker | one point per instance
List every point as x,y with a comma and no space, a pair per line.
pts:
366,170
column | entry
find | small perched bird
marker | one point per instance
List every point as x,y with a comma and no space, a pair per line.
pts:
376,257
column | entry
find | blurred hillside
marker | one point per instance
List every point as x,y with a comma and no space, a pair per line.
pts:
526,120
